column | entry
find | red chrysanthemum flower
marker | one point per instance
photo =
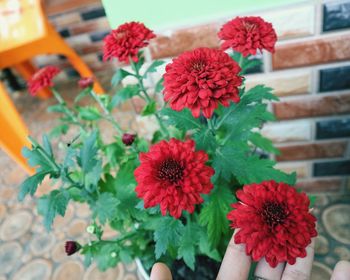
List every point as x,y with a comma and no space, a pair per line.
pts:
274,222
173,175
200,80
126,41
42,78
247,34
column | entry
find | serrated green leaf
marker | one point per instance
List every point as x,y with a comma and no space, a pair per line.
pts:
205,248
312,199
149,109
187,244
263,143
30,185
87,156
167,233
105,207
258,94
53,204
37,159
124,94
182,120
213,214
205,140
47,145
234,160
153,67
119,75
89,113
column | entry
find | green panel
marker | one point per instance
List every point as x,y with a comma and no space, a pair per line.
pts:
161,14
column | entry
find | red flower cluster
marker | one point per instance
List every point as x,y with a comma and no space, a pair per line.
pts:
200,80
274,222
42,78
126,41
247,34
173,175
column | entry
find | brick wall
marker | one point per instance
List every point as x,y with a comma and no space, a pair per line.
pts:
310,72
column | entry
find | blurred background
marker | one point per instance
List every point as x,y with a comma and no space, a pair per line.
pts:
310,72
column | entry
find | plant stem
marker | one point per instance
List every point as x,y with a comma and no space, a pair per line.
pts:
107,115
67,110
211,126
148,98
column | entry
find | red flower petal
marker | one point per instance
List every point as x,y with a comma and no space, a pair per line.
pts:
42,78
274,222
173,175
247,35
126,41
200,80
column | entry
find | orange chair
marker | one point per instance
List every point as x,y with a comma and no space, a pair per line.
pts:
13,132
25,32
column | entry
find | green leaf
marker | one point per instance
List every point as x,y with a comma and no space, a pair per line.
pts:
47,145
182,120
58,108
312,199
153,67
187,244
263,143
89,113
233,160
30,185
82,94
124,94
105,207
167,233
204,246
159,85
258,94
37,158
53,204
59,130
149,109
213,214
119,75
88,152
205,140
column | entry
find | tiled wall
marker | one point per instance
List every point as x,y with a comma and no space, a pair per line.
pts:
310,72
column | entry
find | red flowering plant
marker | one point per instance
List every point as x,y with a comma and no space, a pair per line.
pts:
170,197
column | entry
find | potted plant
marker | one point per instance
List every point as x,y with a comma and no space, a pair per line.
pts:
169,199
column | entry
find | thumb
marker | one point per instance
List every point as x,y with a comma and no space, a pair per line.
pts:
160,272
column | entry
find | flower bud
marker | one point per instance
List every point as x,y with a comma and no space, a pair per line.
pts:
86,82
128,139
90,229
72,247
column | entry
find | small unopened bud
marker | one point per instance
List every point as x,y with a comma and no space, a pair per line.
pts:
72,247
113,254
128,139
90,229
86,82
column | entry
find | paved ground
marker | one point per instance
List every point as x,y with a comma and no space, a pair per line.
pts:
27,251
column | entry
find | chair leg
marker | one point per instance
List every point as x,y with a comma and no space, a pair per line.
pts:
26,69
13,132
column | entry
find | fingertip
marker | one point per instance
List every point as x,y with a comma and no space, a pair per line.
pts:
160,271
341,271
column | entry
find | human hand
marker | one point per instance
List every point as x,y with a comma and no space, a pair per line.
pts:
236,265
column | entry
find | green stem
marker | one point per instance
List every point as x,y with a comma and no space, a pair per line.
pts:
211,126
68,112
240,62
107,115
148,98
